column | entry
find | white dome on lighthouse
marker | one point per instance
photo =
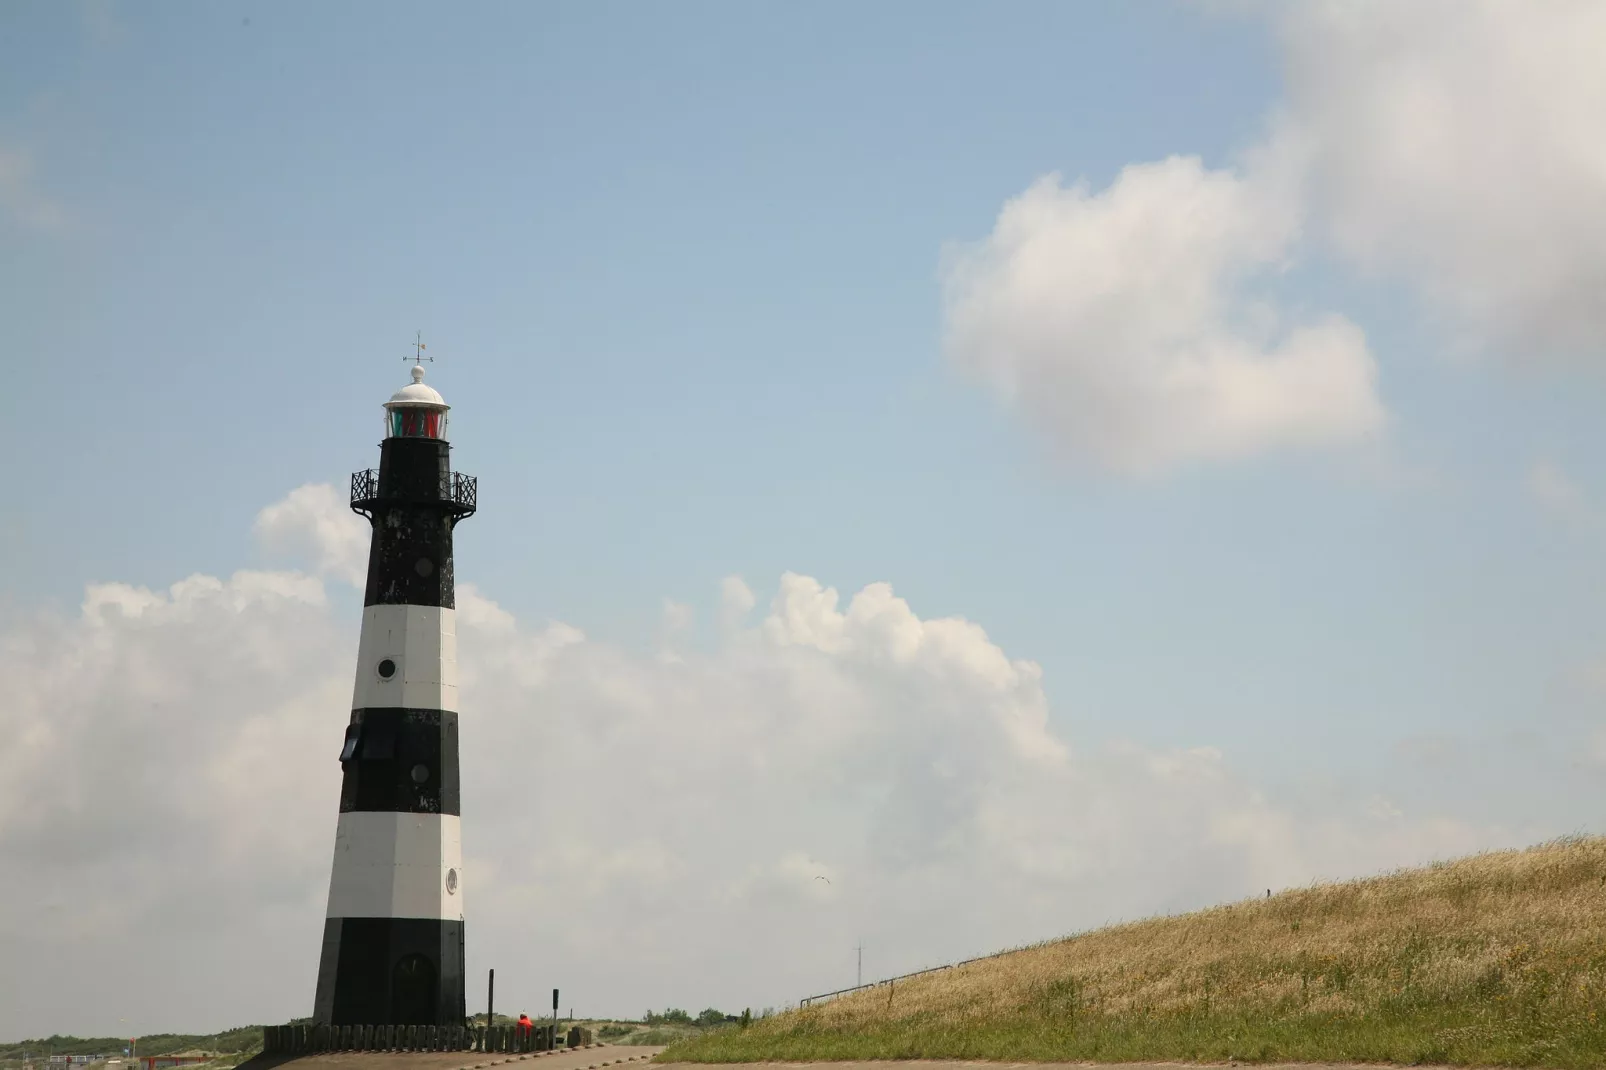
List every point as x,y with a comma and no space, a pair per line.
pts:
416,394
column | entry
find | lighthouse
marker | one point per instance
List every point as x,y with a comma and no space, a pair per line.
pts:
393,933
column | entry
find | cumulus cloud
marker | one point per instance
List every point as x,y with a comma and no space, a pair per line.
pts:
20,195
736,601
1125,323
1456,146
639,830
1450,146
1555,490
315,523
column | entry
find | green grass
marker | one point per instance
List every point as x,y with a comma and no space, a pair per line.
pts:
662,1034
1496,960
231,1041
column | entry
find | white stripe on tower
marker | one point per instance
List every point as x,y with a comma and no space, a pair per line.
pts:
397,866
420,642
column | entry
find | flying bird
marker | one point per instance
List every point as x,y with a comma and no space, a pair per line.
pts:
825,879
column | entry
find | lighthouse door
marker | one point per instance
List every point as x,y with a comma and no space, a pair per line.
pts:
412,991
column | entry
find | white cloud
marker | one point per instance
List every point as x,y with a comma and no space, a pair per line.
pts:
736,601
1455,144
638,830
1559,495
1555,490
1452,145
20,195
1124,324
316,522
99,22
1596,751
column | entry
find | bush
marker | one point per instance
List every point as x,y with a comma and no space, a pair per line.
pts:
672,1016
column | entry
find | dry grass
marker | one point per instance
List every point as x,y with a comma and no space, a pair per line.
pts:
1498,959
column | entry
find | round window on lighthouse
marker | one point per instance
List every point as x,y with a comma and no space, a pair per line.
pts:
386,668
451,882
420,773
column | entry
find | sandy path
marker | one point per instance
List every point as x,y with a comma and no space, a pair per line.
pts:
958,1064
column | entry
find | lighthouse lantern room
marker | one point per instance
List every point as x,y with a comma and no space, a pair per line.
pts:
393,932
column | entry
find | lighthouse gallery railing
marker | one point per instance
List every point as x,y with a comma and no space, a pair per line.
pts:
459,492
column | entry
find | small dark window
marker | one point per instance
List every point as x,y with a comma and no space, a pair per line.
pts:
424,566
349,751
420,773
387,669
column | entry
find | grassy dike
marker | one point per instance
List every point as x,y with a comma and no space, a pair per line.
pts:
1494,960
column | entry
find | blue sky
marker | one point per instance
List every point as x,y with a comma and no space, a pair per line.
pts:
682,267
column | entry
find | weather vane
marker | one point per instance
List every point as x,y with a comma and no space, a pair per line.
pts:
418,351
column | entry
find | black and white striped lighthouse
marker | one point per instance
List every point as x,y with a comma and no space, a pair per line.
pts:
393,934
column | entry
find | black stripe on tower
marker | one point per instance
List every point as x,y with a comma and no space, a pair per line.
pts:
401,760
414,504
392,971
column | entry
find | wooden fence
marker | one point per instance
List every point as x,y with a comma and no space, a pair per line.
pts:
299,1039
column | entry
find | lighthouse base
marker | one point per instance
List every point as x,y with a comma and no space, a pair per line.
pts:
391,971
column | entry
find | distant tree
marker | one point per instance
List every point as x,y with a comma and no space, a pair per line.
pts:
747,1017
711,1016
677,1016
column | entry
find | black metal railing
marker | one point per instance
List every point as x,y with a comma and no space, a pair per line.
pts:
462,491
806,1000
459,493
303,1038
364,486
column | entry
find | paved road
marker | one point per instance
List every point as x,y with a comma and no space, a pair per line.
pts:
593,1057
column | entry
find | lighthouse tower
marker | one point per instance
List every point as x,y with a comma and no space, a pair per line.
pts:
393,934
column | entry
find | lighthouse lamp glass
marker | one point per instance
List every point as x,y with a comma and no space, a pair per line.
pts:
415,423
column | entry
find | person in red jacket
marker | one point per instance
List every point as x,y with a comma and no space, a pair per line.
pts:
525,1025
